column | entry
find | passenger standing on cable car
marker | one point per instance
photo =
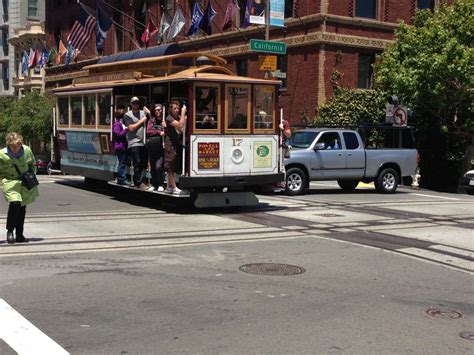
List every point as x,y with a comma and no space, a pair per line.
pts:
175,122
120,146
135,121
155,132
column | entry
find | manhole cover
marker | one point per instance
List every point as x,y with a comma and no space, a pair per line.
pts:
467,335
443,313
272,269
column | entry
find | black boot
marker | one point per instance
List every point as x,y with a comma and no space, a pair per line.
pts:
10,239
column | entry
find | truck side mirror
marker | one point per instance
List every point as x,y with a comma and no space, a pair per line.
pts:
320,146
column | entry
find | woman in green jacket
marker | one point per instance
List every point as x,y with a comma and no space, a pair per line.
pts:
15,153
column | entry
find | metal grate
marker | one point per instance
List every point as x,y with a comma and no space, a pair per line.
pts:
272,269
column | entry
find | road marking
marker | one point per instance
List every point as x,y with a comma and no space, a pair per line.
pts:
441,197
440,258
22,336
453,250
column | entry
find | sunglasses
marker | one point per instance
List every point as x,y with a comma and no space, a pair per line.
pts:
135,103
158,109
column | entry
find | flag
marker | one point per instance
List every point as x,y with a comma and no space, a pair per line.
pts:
37,57
24,62
247,14
82,30
52,55
32,58
177,25
103,25
69,55
43,58
230,12
62,51
165,24
206,23
196,20
150,30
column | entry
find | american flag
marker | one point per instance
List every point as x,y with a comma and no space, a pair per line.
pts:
82,30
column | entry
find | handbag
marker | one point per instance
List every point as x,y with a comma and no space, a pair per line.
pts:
28,178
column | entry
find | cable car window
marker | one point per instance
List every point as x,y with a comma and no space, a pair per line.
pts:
206,107
104,109
63,111
264,106
238,107
89,107
76,110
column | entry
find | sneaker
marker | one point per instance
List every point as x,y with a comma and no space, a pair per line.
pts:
160,189
151,189
177,191
124,183
169,190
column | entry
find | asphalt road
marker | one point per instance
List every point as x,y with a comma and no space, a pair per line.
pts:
123,273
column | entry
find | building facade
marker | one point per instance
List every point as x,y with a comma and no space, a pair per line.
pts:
328,41
21,24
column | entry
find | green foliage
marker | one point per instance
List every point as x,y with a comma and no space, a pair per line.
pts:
30,116
353,107
431,66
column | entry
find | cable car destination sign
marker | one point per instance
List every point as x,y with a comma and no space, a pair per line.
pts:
257,45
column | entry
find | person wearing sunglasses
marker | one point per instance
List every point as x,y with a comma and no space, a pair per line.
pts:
135,121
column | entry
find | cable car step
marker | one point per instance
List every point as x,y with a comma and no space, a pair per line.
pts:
184,193
225,199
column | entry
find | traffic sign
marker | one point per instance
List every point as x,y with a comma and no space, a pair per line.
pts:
267,62
278,74
400,116
257,45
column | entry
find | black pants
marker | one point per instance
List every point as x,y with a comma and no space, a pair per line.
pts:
156,155
139,159
16,218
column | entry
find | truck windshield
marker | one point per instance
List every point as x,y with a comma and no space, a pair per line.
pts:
302,139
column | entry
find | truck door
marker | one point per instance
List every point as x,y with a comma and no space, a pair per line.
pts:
329,163
355,155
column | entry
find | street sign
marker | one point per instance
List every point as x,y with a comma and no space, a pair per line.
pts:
267,62
257,45
278,74
400,116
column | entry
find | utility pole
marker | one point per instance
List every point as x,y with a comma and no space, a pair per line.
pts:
267,30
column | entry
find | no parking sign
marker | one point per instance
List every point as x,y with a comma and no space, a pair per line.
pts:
400,116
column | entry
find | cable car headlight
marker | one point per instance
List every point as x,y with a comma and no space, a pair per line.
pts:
237,156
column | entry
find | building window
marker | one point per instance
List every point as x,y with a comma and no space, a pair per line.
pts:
366,8
364,77
32,8
425,5
5,42
5,77
241,67
5,9
282,66
289,8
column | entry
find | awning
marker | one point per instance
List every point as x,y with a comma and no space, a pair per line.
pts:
156,51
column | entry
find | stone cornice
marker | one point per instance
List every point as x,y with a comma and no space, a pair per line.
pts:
311,39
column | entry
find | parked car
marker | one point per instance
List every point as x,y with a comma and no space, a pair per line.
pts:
339,154
468,182
43,164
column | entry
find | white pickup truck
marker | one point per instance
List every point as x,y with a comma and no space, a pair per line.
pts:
339,154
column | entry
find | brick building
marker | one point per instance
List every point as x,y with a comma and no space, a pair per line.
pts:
324,38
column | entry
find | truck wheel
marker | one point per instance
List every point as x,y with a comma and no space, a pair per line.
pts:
387,181
348,185
295,182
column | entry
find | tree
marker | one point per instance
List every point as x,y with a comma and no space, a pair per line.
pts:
30,116
431,67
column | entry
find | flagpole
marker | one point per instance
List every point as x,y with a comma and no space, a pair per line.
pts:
123,13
